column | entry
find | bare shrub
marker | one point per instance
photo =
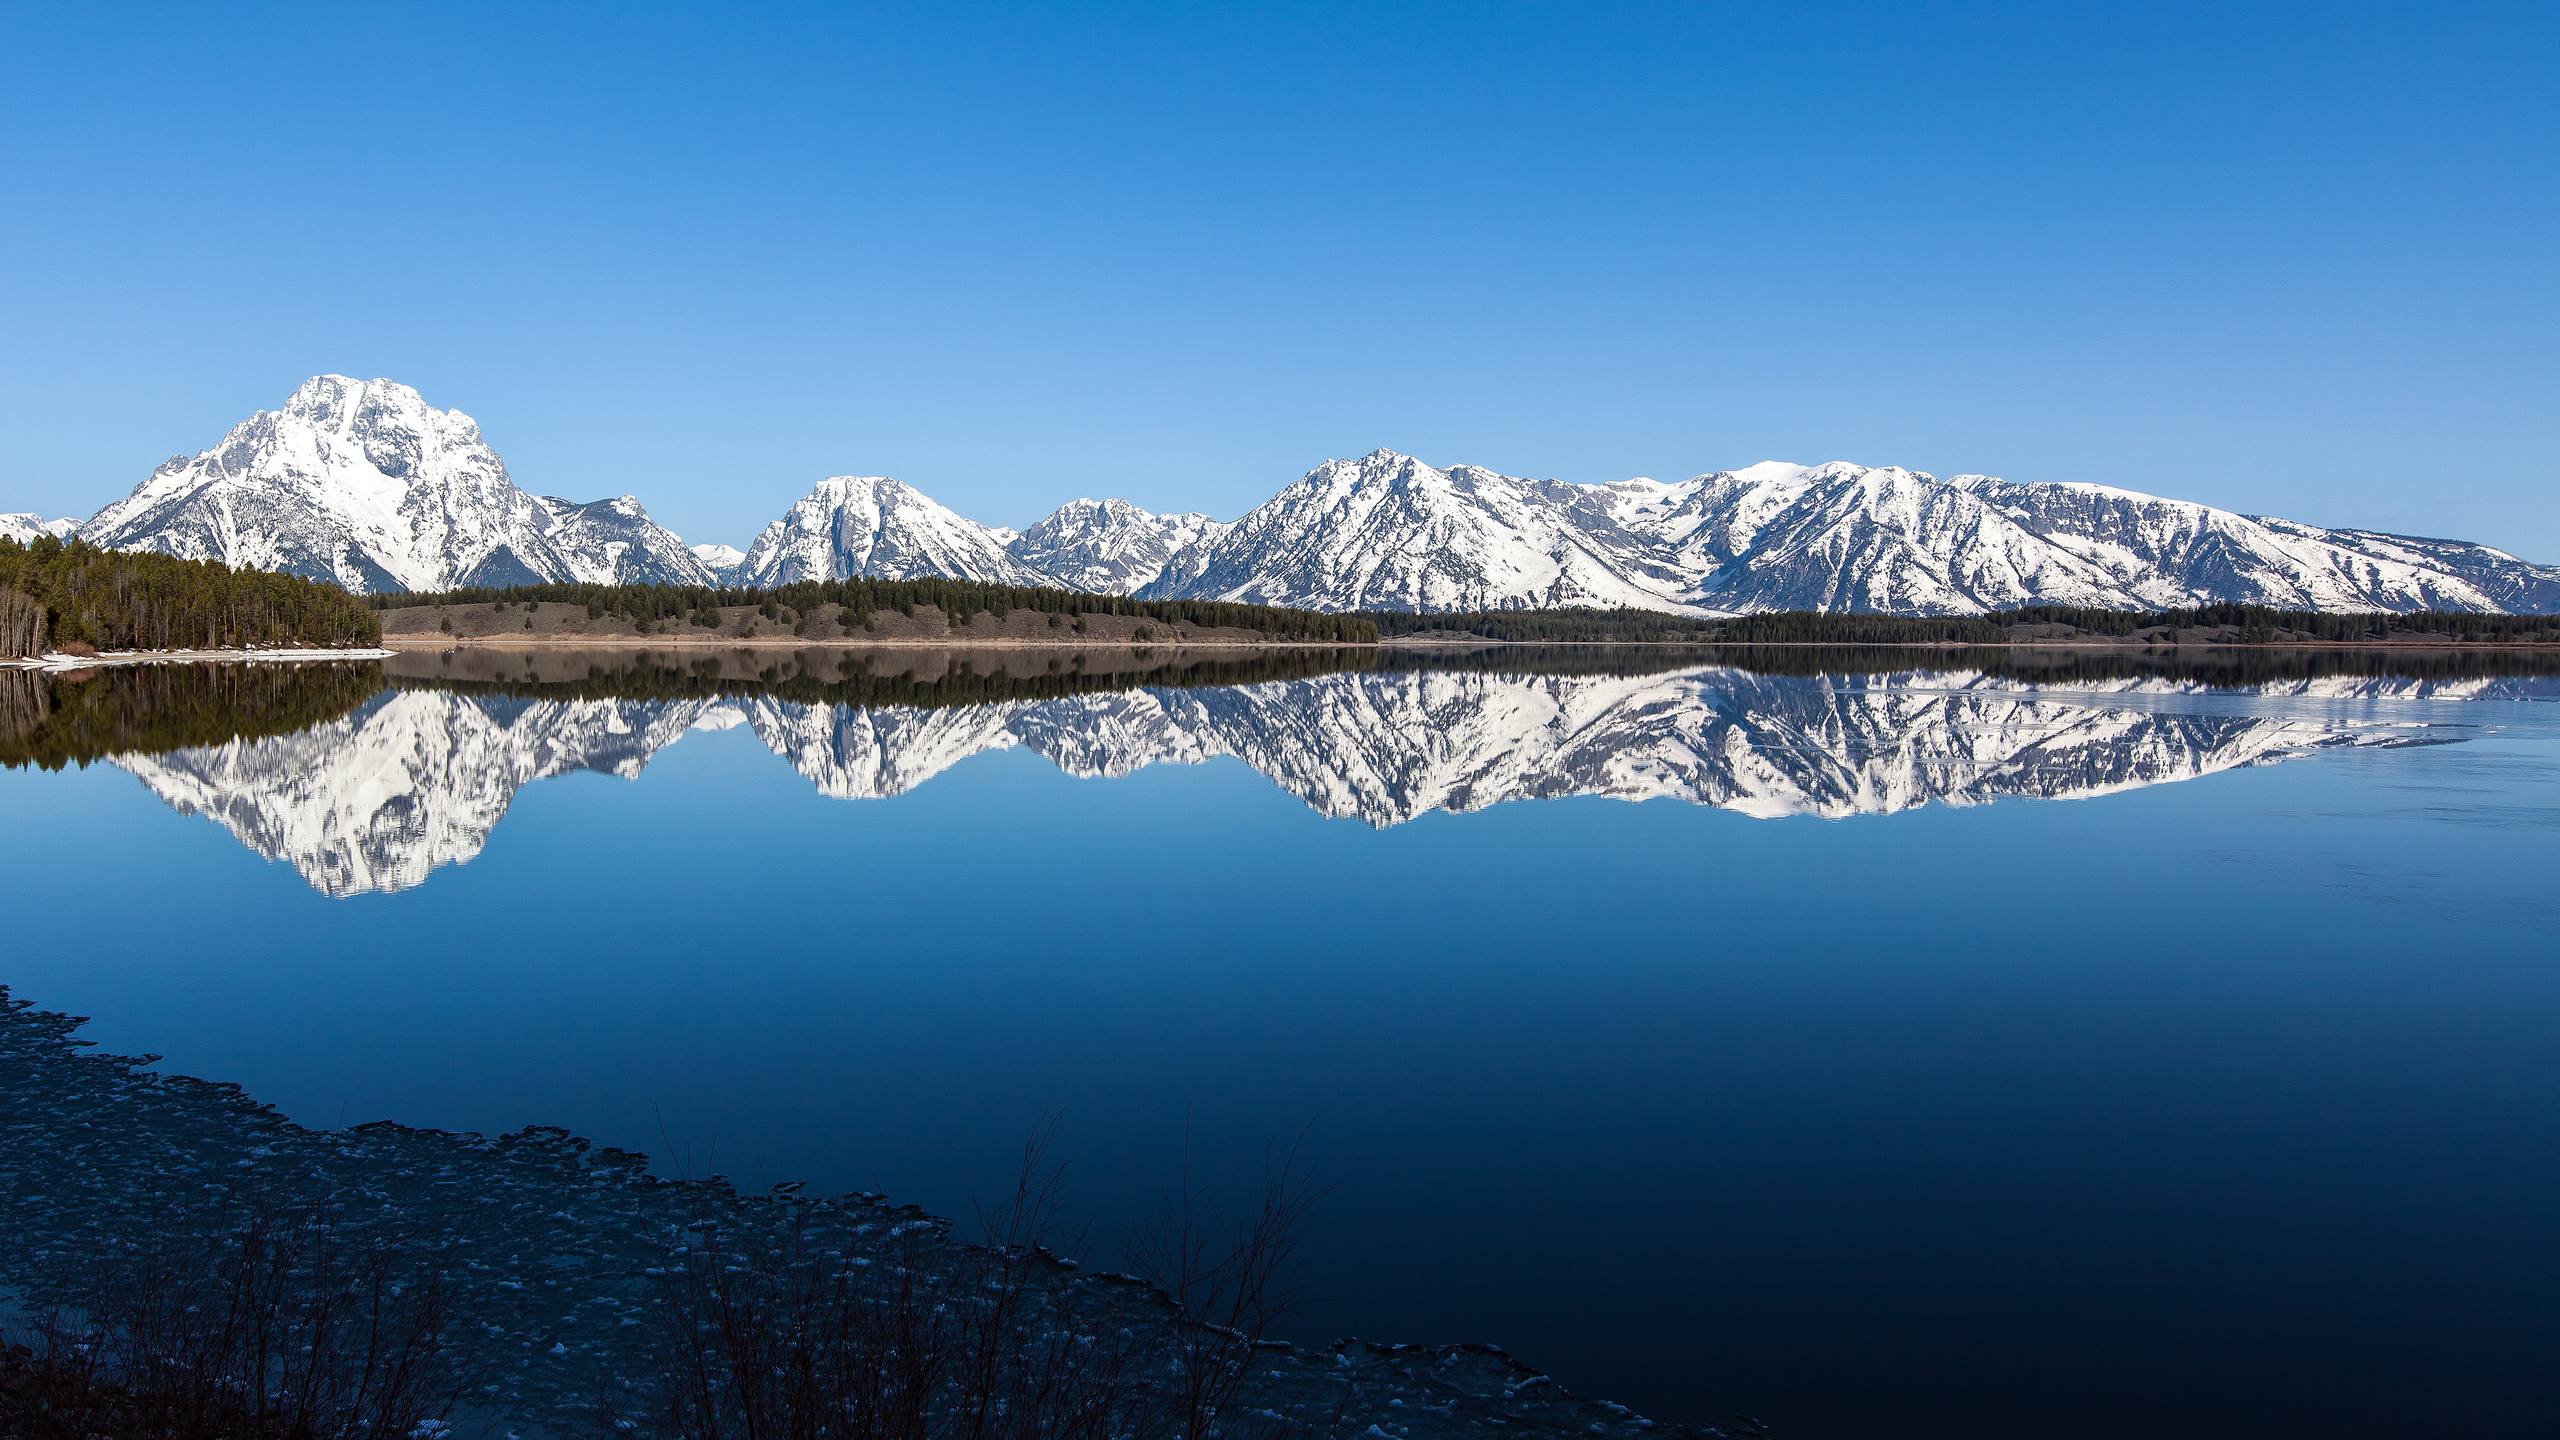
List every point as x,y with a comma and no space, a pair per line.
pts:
1232,1278
279,1327
781,1338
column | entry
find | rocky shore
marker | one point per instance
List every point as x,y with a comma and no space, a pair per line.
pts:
545,1246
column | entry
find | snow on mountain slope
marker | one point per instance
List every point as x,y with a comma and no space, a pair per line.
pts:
1110,547
24,526
722,561
1388,532
872,526
2511,585
2191,553
1886,540
365,484
1848,537
614,542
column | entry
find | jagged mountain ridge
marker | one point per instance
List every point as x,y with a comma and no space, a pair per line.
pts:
379,799
1389,532
1111,547
363,483
1887,540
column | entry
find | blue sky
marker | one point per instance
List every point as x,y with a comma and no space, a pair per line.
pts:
2287,259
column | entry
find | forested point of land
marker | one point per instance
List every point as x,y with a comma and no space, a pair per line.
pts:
52,721
840,605
64,594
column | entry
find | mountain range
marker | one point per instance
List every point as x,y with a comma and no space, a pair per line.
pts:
364,484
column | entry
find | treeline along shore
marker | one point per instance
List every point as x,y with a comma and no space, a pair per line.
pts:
952,612
870,612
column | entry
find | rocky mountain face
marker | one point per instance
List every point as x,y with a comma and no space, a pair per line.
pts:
25,526
1389,532
417,779
363,483
1110,547
614,542
1893,541
870,526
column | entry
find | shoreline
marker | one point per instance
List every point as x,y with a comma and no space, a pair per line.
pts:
57,663
158,1153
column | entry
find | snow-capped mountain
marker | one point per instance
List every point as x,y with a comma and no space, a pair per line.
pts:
1894,541
414,780
872,526
24,526
1110,547
614,542
722,561
363,483
1389,532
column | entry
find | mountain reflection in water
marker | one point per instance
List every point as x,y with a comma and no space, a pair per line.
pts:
368,780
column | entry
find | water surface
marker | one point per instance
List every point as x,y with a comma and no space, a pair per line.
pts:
2017,1045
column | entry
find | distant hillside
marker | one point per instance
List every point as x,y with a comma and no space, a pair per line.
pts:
60,595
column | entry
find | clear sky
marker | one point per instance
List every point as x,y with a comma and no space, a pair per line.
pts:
2293,259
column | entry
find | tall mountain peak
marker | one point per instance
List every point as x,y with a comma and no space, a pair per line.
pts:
1389,532
364,483
849,526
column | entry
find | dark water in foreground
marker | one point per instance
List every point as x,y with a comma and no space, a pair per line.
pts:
1852,1080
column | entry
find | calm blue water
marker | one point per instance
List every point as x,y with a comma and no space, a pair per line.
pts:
1928,1052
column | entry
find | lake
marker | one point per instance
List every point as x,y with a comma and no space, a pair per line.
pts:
1998,1044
